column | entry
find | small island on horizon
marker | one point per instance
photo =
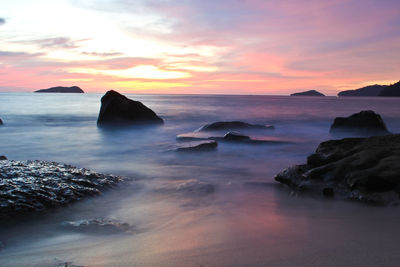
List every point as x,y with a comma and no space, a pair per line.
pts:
61,89
308,93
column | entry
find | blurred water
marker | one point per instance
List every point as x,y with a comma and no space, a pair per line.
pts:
248,219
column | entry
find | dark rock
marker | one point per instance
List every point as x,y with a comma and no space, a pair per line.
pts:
117,109
391,90
61,89
98,226
3,158
32,186
364,123
328,192
308,93
1,122
197,146
233,136
372,90
363,169
232,125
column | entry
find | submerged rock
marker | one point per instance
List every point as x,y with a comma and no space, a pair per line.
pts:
191,187
363,169
308,93
61,89
196,146
117,109
193,136
364,123
232,125
30,186
98,226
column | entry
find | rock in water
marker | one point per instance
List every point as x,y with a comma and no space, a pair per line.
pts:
363,169
1,122
233,136
308,93
98,226
61,89
231,125
364,123
117,109
190,188
29,186
197,146
3,157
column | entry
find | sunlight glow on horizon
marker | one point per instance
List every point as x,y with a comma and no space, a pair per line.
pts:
229,47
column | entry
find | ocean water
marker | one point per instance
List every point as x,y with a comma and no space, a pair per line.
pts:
249,219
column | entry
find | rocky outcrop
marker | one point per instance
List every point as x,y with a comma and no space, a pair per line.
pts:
308,93
61,89
197,146
98,226
391,90
364,123
118,110
362,169
232,125
372,90
31,186
234,136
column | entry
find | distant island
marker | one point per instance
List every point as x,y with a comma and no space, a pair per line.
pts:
391,90
61,89
308,93
371,90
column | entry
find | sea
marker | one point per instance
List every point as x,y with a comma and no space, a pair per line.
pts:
248,219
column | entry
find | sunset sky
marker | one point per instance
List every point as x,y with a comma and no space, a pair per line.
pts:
202,46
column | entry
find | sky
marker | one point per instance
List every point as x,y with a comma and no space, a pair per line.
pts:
199,46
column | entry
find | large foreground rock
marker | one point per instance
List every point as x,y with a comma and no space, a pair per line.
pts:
363,169
29,186
232,125
61,89
364,123
117,109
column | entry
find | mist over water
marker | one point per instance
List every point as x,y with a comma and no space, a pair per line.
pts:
248,219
